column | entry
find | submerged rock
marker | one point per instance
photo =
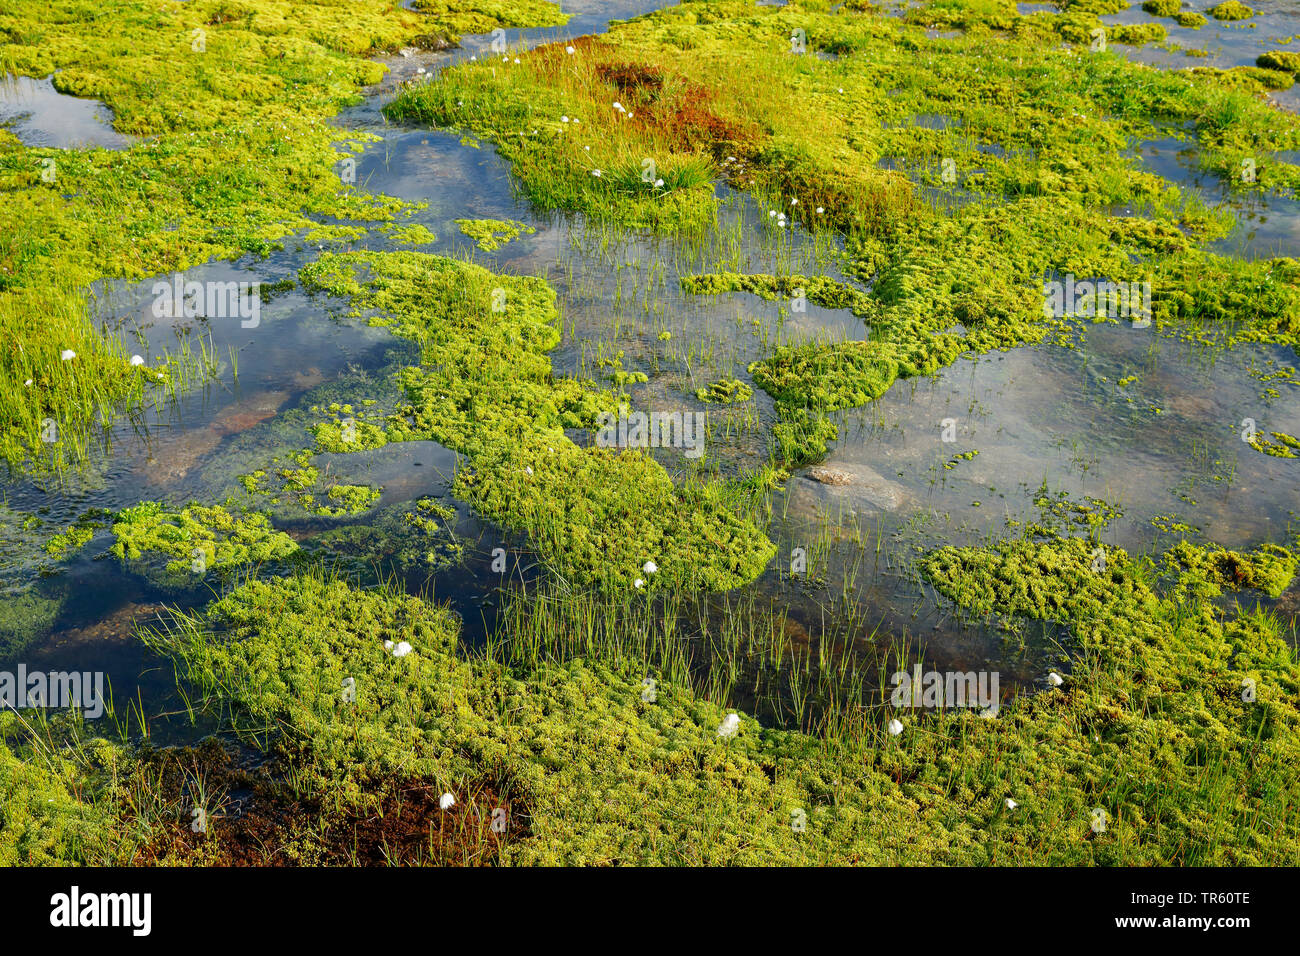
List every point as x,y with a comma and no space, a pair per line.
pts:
847,487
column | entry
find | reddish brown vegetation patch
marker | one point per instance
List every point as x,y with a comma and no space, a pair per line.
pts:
252,819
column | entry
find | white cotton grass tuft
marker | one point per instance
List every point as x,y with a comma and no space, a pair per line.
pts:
446,801
67,354
596,173
137,360
1055,679
650,567
1011,804
729,727
569,50
638,584
402,649
895,727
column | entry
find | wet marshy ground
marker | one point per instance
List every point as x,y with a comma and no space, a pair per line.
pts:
1148,423
1145,422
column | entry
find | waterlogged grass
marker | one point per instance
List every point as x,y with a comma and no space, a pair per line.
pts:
959,174
58,807
485,389
1151,727
1177,722
1029,164
230,99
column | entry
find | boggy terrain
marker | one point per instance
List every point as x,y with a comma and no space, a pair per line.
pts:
635,685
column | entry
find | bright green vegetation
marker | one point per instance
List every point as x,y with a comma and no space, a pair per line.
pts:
1062,516
1285,446
958,458
485,389
77,535
1151,726
198,538
483,16
726,392
492,234
1270,568
1279,60
305,487
1178,719
413,234
1231,10
230,100
57,810
1041,140
827,376
1162,8
1191,19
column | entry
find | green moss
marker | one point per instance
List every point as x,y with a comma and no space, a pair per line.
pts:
1285,446
1150,726
957,459
78,535
1270,568
482,16
800,435
404,537
231,102
1136,34
198,538
48,816
1098,7
412,234
1231,10
485,389
1162,8
1251,79
1039,205
1190,19
492,234
1282,60
305,487
725,392
828,377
